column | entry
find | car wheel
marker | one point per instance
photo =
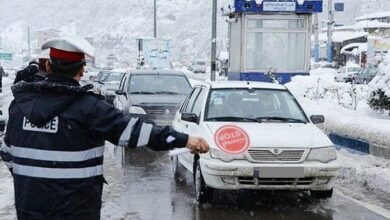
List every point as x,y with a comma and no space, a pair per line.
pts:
321,194
353,81
177,168
203,193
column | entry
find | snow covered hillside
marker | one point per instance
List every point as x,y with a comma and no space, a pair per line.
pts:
114,24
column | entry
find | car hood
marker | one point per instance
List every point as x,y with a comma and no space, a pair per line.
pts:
156,99
278,135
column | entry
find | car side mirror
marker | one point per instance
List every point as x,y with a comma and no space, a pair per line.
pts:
190,117
120,92
317,119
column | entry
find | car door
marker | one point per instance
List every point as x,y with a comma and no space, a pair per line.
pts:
196,129
184,126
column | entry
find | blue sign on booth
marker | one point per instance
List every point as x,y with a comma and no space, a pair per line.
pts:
307,7
339,6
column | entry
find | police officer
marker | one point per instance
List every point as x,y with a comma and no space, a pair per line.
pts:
56,134
36,70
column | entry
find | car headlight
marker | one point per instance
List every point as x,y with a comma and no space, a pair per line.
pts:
217,154
137,110
324,154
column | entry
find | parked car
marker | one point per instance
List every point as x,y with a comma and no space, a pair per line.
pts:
154,94
98,82
199,67
365,75
345,74
284,150
111,83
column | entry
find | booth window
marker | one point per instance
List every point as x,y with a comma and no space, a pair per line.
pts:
276,43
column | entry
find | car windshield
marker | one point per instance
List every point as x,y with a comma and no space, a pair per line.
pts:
114,77
159,84
262,105
101,76
105,77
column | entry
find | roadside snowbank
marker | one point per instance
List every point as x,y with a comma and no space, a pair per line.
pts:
365,171
345,105
7,208
354,124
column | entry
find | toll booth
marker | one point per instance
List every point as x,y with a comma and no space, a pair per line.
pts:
270,39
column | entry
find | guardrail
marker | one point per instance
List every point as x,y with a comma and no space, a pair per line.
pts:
362,146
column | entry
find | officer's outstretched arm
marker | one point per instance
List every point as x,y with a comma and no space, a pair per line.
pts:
126,131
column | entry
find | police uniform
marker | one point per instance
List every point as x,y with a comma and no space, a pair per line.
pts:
55,141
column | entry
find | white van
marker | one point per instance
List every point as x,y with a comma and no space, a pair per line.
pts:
199,67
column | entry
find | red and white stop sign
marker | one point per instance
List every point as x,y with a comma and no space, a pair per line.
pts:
232,139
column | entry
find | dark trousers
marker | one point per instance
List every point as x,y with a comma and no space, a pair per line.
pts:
29,216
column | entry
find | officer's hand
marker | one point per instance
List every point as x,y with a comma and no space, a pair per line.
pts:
197,145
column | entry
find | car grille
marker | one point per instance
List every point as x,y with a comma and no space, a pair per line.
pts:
269,156
161,112
276,181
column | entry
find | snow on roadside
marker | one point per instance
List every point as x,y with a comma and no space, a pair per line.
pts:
364,171
7,208
350,123
319,94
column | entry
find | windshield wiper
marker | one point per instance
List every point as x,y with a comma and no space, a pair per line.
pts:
169,93
143,93
283,119
231,118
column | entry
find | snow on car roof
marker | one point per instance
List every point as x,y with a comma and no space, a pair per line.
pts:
243,84
382,14
339,37
155,71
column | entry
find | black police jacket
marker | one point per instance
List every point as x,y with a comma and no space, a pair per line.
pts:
54,145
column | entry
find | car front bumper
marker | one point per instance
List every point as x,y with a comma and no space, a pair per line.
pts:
245,175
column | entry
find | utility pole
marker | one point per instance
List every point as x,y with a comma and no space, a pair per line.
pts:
214,41
330,27
155,18
316,44
28,43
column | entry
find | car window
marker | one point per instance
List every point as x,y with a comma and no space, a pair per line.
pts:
255,103
114,77
191,100
158,84
104,77
185,103
197,109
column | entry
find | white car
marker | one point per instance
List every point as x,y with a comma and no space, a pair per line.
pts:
345,74
260,138
199,67
112,81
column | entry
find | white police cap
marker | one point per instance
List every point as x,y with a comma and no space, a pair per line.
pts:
72,44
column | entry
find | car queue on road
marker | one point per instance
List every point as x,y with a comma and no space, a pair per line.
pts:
260,137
